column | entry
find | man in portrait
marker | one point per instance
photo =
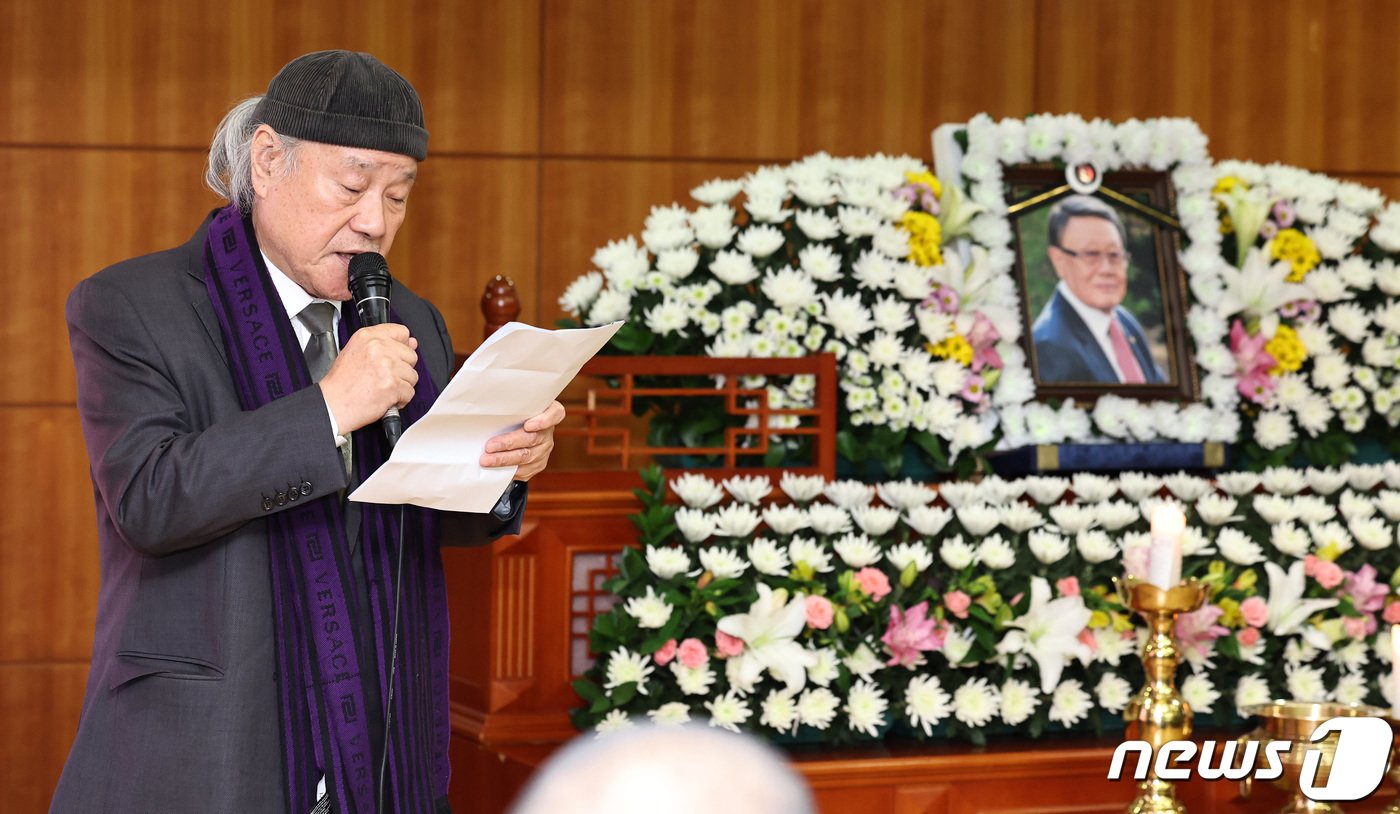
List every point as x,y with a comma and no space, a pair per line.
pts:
1084,334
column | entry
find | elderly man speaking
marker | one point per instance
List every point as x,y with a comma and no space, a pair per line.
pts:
229,400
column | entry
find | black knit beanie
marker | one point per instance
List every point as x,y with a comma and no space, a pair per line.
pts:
345,98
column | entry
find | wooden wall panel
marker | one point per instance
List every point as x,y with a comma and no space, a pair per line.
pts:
48,560
69,213
41,703
776,79
585,204
133,72
469,219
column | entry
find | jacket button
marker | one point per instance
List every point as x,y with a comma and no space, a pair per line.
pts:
305,488
281,498
267,504
293,492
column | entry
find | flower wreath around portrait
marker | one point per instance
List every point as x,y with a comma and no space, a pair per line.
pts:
908,281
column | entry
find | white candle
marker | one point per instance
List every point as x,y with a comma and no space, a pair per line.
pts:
1164,556
1395,671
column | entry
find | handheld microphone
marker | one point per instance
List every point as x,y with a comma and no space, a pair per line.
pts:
370,285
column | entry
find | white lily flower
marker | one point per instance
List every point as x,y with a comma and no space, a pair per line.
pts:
1288,610
769,630
1049,632
1258,288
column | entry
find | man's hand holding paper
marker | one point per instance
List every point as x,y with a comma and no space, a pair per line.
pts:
493,423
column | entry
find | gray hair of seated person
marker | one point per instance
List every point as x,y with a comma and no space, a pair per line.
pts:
229,171
691,769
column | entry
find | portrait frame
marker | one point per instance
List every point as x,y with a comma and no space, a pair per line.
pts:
1145,203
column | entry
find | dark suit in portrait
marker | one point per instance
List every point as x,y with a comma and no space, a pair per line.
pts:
1066,351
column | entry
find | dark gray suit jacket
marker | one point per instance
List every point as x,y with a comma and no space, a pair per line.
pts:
181,711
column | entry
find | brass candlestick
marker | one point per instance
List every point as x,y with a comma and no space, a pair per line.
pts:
1157,714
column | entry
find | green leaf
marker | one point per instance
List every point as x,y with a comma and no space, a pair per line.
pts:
848,447
624,693
633,338
932,446
587,690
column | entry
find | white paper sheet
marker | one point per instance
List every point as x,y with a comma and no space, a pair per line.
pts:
514,375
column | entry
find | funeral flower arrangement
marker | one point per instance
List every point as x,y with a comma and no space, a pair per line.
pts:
844,256
1291,279
843,611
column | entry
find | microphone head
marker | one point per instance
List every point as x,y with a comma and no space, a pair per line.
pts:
369,276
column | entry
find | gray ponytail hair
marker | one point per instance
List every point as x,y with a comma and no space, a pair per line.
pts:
230,169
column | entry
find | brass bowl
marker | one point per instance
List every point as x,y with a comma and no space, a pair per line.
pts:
1294,722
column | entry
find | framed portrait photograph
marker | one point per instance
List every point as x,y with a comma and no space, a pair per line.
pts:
1101,288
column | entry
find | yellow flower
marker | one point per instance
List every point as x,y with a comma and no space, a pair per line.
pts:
1329,552
955,347
1227,226
1122,622
1226,184
1287,350
1298,249
925,237
1231,616
1248,578
925,178
1098,619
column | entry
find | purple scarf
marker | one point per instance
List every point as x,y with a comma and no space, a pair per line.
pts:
317,605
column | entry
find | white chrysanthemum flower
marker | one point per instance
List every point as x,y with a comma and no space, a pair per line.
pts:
1046,490
1351,656
1238,483
976,702
1115,514
767,208
803,550
1095,546
722,562
1306,683
581,293
1388,501
1364,477
748,489
1275,509
1019,702
816,707
914,554
874,271
849,494
697,491
865,708
626,667
1113,692
779,711
863,662
667,562
1313,509
925,703
693,680
668,316
875,520
996,553
820,262
614,721
1217,510
650,611
1371,533
695,525
1090,488
734,268
956,553
826,667
1047,546
1070,704
816,224
1186,488
827,519
1073,518
674,713
1239,549
1324,481
760,241
728,711
789,288
857,550
929,520
735,520
978,519
611,306
1021,517
1199,693
905,494
911,281
801,488
1334,535
1273,429
1250,690
716,191
1352,688
1137,486
768,557
785,519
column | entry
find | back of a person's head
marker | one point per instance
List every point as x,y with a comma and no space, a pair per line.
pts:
682,770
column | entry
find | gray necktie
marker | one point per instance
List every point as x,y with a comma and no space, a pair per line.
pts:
319,318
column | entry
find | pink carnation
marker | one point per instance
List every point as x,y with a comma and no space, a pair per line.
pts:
1392,614
874,582
1255,611
665,653
727,645
1359,627
1248,637
1069,586
693,653
1329,574
1086,638
957,603
819,612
